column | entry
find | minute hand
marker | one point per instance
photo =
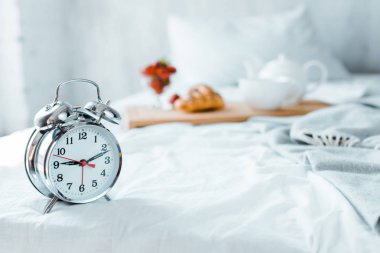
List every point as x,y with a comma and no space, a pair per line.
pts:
97,156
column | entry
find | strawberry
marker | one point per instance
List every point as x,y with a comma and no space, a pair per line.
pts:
171,69
163,73
149,71
157,86
174,98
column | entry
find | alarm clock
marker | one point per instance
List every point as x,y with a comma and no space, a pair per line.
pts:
71,156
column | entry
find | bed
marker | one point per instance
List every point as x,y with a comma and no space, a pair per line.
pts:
183,188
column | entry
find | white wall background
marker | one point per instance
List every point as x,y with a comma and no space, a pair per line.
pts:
12,106
110,41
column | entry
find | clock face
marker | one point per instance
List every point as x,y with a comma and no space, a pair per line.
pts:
84,163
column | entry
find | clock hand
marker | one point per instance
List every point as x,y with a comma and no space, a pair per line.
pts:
82,162
82,172
71,163
97,156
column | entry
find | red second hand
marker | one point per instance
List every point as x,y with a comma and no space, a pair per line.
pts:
82,172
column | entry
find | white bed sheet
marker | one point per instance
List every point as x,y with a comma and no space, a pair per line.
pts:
214,188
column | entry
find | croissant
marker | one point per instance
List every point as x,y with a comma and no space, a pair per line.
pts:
201,98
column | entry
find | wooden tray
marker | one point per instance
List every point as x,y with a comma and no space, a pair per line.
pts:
140,116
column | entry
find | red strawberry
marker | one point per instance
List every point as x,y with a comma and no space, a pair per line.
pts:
157,86
171,69
174,98
150,71
163,73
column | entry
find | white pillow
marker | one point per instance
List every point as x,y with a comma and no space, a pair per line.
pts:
212,51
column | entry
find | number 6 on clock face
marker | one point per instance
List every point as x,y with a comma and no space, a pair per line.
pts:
83,164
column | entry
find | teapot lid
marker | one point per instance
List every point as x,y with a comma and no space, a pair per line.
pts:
282,66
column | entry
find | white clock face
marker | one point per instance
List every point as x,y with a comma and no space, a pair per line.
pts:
84,163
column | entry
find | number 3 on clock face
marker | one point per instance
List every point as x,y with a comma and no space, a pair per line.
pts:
84,163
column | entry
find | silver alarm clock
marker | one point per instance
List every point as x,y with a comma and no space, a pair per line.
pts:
70,155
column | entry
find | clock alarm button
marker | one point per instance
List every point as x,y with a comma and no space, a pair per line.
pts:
104,111
52,114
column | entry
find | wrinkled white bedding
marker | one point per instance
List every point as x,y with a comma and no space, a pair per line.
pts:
214,188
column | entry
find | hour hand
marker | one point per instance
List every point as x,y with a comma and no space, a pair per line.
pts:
71,163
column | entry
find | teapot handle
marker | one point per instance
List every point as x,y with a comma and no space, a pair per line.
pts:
323,76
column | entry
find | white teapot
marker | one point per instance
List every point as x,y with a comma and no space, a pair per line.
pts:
280,82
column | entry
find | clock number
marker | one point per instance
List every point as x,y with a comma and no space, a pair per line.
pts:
59,177
56,165
104,147
96,138
81,188
61,151
107,160
69,185
69,140
94,183
82,136
103,173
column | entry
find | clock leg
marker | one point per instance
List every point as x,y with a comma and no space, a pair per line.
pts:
107,197
50,205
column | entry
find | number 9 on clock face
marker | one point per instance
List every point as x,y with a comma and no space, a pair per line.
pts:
83,164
